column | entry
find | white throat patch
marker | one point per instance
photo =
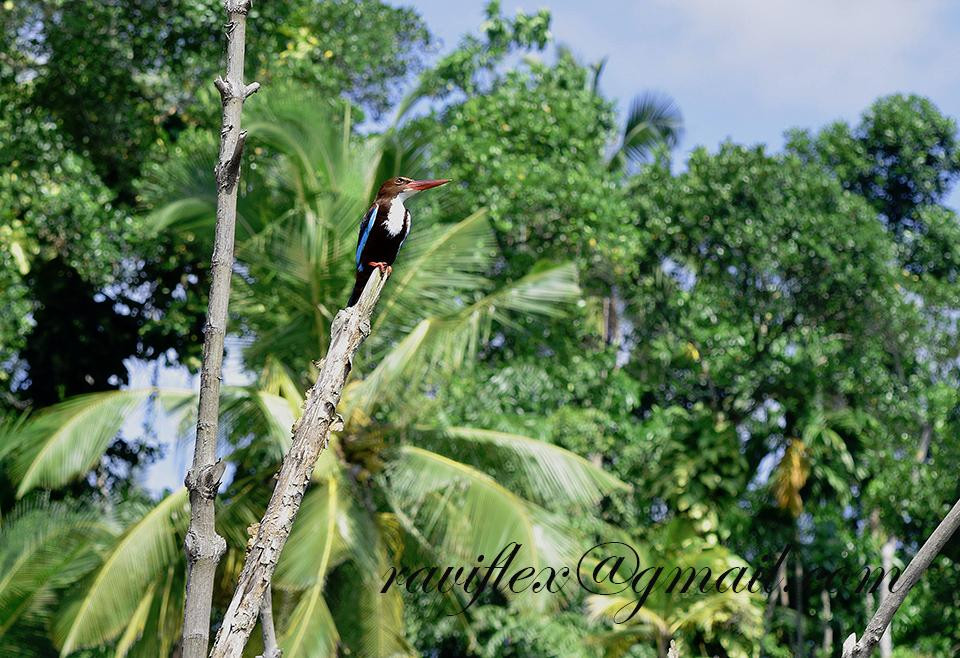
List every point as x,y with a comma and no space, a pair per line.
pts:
396,214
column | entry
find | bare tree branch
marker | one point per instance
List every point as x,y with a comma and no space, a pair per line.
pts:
311,433
270,648
885,612
203,545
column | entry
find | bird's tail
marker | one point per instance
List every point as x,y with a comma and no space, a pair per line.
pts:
362,277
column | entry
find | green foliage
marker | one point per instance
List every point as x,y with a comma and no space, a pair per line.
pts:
69,188
532,151
581,340
652,120
65,441
727,620
98,609
365,50
903,155
462,69
304,254
44,548
52,205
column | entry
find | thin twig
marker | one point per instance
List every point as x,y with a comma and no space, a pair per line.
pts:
270,648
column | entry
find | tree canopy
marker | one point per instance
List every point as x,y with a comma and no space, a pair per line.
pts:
584,340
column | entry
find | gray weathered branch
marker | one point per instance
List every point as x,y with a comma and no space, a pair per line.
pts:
270,648
203,546
311,433
885,612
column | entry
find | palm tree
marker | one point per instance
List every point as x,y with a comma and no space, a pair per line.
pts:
729,618
398,480
653,120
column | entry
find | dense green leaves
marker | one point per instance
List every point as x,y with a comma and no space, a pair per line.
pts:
44,548
582,340
100,607
532,151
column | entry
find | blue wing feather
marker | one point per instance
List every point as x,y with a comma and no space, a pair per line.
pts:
365,227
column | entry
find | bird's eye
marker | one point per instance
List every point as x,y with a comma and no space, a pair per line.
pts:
400,181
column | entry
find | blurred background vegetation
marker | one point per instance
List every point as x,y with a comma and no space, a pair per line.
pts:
582,341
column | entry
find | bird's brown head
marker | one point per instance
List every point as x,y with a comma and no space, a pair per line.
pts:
403,187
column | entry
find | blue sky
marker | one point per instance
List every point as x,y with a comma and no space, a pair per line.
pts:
748,70
744,70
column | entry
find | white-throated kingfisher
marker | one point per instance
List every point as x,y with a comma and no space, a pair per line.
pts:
384,228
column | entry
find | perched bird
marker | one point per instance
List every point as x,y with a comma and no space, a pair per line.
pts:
384,228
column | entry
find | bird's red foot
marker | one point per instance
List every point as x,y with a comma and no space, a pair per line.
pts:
383,267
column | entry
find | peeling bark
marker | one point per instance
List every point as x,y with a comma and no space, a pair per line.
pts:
311,435
203,546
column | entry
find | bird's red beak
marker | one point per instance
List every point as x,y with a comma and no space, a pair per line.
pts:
420,185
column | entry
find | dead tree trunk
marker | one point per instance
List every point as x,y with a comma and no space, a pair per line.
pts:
310,436
203,545
935,542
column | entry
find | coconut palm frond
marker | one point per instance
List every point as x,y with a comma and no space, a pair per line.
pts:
314,136
164,620
547,291
99,609
404,153
441,266
613,607
653,119
362,396
311,631
380,627
453,601
251,412
707,613
137,623
45,546
63,442
451,503
549,473
239,507
187,178
186,214
278,380
320,538
447,343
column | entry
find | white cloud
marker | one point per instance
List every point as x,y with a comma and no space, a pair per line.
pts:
826,53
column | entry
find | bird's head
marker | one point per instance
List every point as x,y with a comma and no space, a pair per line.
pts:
404,188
